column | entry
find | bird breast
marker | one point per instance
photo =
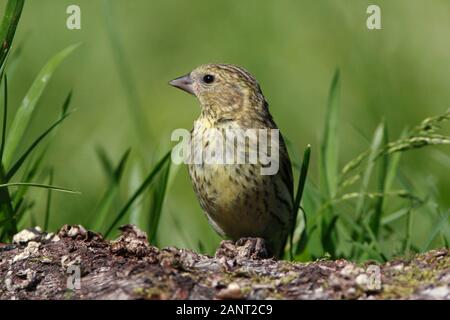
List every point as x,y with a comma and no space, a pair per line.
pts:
238,200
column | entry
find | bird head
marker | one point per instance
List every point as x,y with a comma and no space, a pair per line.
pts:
222,89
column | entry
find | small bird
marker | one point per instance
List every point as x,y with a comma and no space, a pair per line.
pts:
239,202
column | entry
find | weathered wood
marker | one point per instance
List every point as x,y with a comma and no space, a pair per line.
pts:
40,266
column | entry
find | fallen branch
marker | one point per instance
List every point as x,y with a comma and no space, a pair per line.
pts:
79,264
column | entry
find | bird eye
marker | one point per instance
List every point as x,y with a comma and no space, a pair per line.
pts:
208,78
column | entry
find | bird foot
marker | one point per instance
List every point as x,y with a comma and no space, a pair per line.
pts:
254,248
248,248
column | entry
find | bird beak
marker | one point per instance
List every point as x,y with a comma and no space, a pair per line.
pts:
183,83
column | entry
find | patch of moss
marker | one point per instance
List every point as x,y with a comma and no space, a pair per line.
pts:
407,282
69,294
149,293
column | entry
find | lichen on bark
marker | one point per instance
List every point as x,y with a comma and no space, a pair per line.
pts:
38,265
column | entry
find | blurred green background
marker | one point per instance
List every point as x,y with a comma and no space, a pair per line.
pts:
400,74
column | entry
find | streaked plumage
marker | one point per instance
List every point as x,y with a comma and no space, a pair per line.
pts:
238,201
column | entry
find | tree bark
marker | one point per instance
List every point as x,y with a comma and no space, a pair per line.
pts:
79,264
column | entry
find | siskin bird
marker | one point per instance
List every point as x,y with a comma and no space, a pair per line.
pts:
238,200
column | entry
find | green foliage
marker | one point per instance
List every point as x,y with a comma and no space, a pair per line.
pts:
12,203
114,175
356,224
329,164
8,27
125,72
149,197
302,238
163,163
24,113
329,148
367,208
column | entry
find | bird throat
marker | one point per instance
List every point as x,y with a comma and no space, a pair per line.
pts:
233,109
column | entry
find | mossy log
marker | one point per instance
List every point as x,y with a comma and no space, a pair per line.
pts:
78,264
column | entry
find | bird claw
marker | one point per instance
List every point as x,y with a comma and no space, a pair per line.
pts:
254,248
244,248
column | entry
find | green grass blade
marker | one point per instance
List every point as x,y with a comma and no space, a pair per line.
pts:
121,166
125,73
5,118
374,241
439,225
22,209
311,201
24,113
36,165
9,228
102,209
13,11
350,223
66,104
105,161
298,198
32,167
29,174
14,58
106,202
303,239
328,241
158,195
36,142
49,201
329,159
445,241
393,167
374,150
18,210
329,147
139,211
145,184
394,216
303,176
37,185
408,231
364,247
375,221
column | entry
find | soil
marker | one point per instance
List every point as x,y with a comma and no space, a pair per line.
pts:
78,264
